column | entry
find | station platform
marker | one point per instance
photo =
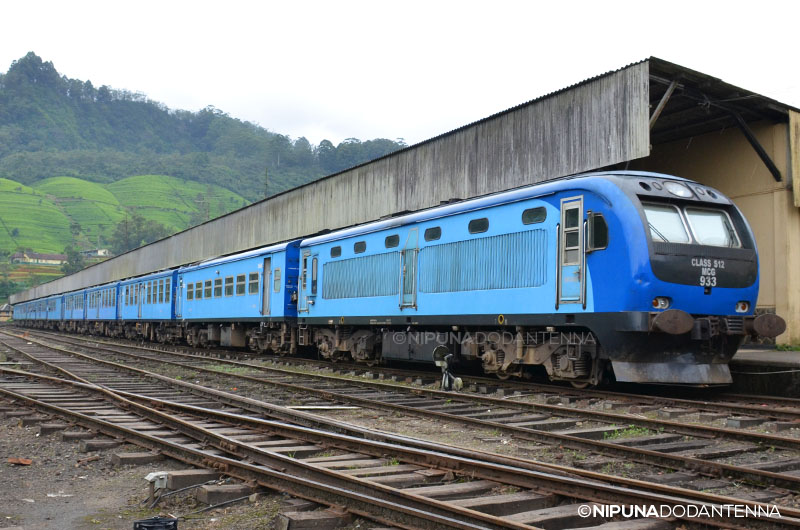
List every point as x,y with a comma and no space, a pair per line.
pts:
766,371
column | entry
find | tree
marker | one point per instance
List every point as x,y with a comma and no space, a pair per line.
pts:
134,231
75,261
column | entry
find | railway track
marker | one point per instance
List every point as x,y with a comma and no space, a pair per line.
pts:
704,400
643,449
445,490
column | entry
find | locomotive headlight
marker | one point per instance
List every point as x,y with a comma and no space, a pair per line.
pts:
677,189
742,307
661,302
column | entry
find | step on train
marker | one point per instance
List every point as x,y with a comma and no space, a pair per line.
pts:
626,276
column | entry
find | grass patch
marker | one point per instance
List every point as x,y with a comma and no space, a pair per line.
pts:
631,432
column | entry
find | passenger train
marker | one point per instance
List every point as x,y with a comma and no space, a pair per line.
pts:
632,276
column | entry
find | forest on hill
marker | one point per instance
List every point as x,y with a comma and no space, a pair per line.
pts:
80,165
51,126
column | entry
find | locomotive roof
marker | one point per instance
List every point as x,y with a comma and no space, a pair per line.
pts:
539,189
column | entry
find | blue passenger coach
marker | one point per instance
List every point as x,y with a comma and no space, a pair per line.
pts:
651,277
247,299
147,306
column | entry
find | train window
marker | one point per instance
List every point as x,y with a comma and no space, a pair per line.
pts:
665,223
277,282
217,287
229,286
360,247
149,290
198,291
208,289
534,215
478,226
303,274
127,296
598,232
336,252
712,227
240,286
167,283
190,291
314,276
571,233
392,241
253,287
432,234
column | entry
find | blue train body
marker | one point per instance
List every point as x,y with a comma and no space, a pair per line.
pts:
642,276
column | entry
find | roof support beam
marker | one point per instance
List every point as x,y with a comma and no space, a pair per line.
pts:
776,173
663,102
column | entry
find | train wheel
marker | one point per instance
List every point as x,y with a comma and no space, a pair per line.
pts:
580,385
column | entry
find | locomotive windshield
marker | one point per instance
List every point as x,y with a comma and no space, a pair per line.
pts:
705,226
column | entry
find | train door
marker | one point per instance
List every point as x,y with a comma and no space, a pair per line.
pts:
408,276
140,294
265,286
571,255
302,300
177,291
98,303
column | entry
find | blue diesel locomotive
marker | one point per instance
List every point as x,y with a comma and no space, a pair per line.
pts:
638,276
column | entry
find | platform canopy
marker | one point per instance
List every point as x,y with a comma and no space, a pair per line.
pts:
603,122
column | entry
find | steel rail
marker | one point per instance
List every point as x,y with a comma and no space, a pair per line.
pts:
636,454
707,405
566,486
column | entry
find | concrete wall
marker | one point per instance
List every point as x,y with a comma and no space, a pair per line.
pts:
598,123
726,161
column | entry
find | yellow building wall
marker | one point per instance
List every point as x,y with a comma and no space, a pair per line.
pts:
726,161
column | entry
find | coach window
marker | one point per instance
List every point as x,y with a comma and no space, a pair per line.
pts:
160,291
360,247
479,226
198,291
149,292
229,286
314,276
277,282
167,283
336,252
208,289
240,287
533,216
598,232
253,285
190,291
392,241
217,287
432,234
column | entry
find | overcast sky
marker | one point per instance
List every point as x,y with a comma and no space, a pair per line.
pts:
412,70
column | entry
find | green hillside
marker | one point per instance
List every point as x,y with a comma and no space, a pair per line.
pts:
175,203
29,219
67,211
95,209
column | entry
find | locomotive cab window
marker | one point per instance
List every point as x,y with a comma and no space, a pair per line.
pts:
712,227
479,226
598,232
665,223
432,234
